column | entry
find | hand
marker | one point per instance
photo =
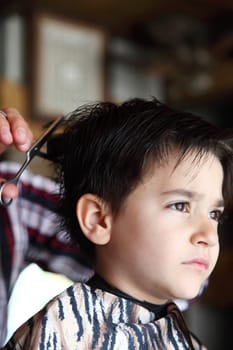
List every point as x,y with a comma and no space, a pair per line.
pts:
14,130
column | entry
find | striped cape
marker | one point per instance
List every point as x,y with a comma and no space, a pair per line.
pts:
88,319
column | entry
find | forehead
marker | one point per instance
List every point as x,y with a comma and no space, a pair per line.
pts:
185,159
187,167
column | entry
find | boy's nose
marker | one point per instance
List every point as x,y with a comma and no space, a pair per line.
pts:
205,233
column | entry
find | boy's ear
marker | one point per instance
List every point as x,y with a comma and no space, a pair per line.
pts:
94,218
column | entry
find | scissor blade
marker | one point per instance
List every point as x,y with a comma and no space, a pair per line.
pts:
35,148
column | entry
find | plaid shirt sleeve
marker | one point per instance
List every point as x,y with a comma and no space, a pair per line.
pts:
30,233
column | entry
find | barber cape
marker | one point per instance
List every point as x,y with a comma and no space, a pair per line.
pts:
87,318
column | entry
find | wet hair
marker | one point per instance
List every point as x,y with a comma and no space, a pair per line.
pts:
107,148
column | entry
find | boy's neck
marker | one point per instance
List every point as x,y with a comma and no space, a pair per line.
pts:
97,282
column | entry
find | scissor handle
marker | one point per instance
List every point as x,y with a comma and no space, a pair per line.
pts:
4,201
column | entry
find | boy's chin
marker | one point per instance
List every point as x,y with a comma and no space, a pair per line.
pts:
188,294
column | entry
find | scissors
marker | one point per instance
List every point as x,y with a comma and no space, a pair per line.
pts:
35,150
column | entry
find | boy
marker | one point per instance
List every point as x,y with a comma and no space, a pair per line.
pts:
143,188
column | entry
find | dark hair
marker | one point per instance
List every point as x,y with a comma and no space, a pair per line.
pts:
107,148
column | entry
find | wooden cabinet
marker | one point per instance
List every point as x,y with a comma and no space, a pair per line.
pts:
14,94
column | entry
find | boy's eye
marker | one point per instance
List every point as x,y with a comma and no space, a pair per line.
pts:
180,206
216,215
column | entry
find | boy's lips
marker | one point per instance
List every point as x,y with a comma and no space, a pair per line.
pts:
199,263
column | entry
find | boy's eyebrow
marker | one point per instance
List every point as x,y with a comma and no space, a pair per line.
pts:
192,195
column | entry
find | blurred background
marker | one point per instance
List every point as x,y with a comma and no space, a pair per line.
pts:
58,54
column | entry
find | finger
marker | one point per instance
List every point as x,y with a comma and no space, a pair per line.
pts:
20,131
5,132
10,190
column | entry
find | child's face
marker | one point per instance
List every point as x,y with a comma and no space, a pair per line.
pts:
164,241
